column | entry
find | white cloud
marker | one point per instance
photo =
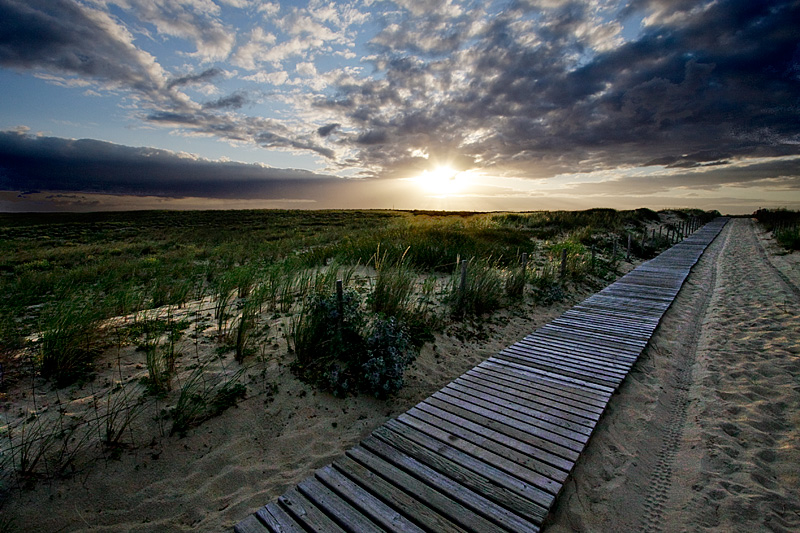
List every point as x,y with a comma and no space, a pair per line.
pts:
274,78
194,20
269,9
306,69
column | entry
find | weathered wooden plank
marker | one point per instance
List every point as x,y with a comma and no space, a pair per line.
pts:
251,524
454,450
577,340
608,341
540,388
411,505
560,408
337,509
361,499
494,440
572,356
536,416
436,491
605,325
525,402
585,375
558,386
508,492
574,344
578,383
306,513
445,428
277,520
496,518
569,360
572,436
533,436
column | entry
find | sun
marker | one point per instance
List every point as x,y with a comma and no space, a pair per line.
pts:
441,181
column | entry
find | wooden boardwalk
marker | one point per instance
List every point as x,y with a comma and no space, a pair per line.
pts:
491,450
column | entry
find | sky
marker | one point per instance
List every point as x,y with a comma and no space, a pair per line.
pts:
405,104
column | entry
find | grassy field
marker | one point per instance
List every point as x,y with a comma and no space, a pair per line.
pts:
199,300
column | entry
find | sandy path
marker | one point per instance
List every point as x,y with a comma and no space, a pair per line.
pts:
705,433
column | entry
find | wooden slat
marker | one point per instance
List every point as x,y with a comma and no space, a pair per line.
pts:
302,510
251,524
567,361
543,393
565,433
436,491
548,460
494,516
409,504
567,411
277,520
505,490
360,498
534,377
337,509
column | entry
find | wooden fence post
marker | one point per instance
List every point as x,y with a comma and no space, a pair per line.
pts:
628,254
593,256
563,263
340,305
462,289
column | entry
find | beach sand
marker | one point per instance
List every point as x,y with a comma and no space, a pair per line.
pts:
704,434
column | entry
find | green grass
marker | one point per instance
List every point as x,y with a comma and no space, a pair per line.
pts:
784,225
63,274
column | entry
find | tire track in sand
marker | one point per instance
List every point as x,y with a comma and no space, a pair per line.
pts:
675,400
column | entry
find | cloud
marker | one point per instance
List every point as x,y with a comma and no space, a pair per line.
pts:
194,20
233,101
326,130
85,165
68,38
190,79
553,88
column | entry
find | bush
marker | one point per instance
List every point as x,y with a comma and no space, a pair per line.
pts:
389,352
344,353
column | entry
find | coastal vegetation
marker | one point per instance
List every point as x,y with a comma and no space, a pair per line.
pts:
161,320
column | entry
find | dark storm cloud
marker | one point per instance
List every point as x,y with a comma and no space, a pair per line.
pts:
326,130
233,101
49,163
201,77
565,94
66,38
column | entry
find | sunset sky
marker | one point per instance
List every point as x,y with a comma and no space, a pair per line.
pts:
406,104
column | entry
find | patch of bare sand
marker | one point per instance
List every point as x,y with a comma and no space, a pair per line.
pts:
704,434
231,465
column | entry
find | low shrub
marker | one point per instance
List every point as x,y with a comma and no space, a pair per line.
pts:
344,353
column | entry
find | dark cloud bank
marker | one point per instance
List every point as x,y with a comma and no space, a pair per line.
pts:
48,163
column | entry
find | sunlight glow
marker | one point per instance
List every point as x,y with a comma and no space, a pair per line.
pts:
441,181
